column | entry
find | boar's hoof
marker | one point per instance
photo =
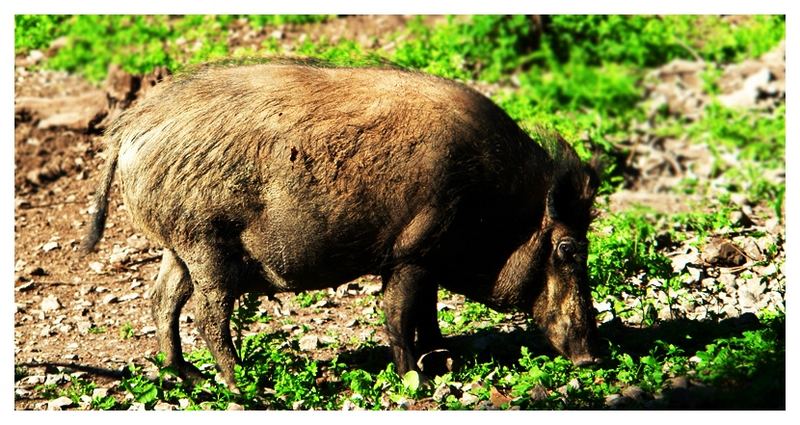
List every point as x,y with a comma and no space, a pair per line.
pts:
191,374
587,362
436,362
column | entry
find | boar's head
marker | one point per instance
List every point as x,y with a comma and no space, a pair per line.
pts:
562,301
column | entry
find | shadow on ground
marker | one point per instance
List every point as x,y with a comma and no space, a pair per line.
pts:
766,389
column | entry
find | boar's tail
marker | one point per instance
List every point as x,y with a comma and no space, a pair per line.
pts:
100,202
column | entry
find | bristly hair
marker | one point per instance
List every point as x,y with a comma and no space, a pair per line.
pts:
573,183
372,61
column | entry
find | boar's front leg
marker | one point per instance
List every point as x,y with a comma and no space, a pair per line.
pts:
429,336
172,289
402,286
433,358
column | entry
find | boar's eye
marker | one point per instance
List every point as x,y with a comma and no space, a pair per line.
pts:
566,249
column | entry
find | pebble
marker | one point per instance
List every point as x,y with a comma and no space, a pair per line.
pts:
32,380
678,382
183,403
162,406
348,405
468,399
59,403
84,326
99,393
308,342
149,330
635,393
442,391
137,406
616,401
50,303
49,246
56,379
128,297
119,257
110,298
35,271
327,340
96,267
235,406
138,243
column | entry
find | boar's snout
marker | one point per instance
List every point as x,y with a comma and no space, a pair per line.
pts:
581,350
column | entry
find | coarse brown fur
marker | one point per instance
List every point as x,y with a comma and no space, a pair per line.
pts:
289,176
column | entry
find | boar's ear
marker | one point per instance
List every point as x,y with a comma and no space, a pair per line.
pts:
571,195
591,180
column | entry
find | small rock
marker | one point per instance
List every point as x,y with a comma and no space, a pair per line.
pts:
137,406
50,303
372,289
740,199
84,326
119,257
25,286
327,340
768,270
348,406
616,401
85,400
468,399
235,406
678,382
183,403
96,267
129,297
70,357
59,403
138,243
56,379
33,380
538,393
99,393
110,298
680,261
739,218
149,330
49,246
635,393
722,253
35,271
441,392
308,342
498,399
162,406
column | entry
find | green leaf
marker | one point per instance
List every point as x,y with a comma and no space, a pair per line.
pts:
411,381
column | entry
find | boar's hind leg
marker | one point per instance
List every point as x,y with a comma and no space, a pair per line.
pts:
402,288
173,287
214,277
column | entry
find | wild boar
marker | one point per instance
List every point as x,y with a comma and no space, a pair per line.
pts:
291,176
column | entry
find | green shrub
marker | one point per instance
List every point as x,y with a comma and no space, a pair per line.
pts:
36,31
